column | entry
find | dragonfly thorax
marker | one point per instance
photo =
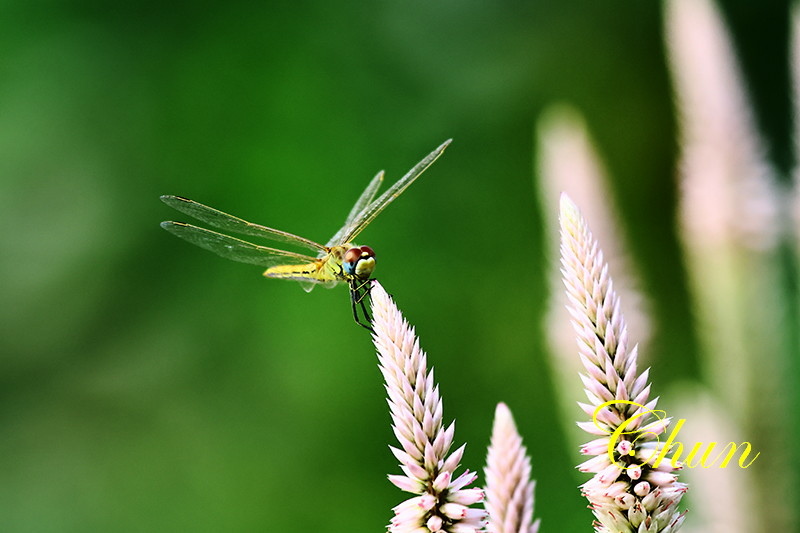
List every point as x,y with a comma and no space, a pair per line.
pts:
359,262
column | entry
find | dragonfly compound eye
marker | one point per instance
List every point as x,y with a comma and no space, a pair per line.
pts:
359,262
352,255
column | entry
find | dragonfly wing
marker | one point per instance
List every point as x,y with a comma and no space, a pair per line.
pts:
308,286
233,248
363,201
227,222
374,208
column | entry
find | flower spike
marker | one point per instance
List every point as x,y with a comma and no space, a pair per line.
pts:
627,493
442,500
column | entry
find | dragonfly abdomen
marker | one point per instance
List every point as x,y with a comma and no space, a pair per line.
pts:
311,271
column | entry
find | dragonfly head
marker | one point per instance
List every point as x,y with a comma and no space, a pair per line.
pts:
359,262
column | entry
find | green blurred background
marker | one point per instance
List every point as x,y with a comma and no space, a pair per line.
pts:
147,385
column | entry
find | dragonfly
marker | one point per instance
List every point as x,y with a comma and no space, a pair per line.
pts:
337,261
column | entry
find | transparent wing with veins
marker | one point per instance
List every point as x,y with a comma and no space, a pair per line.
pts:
233,248
357,223
227,222
363,201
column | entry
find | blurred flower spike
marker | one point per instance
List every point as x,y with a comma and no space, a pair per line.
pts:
509,489
627,493
443,500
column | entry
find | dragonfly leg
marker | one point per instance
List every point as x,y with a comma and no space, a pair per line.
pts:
358,296
365,295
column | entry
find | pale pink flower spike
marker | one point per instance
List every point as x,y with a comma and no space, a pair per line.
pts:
627,494
509,489
443,502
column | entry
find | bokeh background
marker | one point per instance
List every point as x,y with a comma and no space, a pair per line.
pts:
147,385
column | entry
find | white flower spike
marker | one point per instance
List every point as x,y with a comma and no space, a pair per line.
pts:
442,502
509,489
627,493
